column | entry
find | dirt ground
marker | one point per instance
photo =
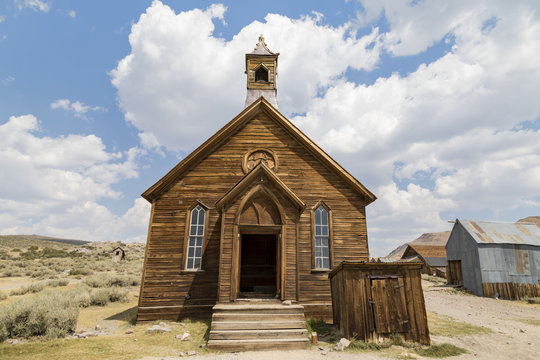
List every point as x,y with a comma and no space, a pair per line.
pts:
510,339
514,325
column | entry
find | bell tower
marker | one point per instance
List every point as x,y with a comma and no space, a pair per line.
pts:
261,71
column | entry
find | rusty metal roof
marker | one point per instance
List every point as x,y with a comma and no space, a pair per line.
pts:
485,232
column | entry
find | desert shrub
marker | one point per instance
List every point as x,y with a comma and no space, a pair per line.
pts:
49,314
32,288
32,248
41,273
3,296
108,280
80,296
102,296
11,273
80,271
58,282
16,250
532,300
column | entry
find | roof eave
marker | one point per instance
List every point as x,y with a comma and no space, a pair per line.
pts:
261,104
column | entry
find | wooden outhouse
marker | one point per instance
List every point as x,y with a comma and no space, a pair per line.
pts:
372,300
258,210
118,254
495,258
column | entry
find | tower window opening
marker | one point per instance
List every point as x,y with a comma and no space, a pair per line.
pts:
261,75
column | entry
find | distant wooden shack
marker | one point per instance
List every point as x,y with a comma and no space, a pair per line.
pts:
495,258
372,300
433,258
118,254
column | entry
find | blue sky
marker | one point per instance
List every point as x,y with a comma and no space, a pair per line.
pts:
433,106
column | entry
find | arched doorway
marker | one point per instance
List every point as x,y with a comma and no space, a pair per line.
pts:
259,228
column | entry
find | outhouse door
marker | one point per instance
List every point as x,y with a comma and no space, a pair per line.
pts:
389,305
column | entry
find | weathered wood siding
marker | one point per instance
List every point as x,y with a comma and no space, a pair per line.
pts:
164,283
379,299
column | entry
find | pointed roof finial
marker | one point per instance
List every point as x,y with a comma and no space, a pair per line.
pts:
261,48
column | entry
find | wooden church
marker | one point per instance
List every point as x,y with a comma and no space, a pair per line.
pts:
258,211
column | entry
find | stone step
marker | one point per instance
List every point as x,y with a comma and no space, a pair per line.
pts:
258,325
258,334
259,344
252,316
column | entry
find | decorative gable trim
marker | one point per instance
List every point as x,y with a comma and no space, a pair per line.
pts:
261,171
260,105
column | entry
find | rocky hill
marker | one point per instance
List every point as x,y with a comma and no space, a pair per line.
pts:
438,238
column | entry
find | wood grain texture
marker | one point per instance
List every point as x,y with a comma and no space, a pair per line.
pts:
305,177
379,299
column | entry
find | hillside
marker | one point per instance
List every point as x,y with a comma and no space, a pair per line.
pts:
24,241
531,219
438,238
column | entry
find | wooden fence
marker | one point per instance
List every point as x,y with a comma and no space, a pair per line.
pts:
511,290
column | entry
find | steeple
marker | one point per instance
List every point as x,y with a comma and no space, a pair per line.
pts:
261,71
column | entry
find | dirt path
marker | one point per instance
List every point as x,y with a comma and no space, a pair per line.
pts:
511,338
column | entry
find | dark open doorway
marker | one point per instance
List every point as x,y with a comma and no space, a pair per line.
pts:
258,266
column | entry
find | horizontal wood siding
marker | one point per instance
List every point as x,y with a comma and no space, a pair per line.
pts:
209,180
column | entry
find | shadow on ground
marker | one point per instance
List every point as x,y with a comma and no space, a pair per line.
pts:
129,315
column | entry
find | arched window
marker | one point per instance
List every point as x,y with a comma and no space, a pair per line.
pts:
322,257
261,75
196,237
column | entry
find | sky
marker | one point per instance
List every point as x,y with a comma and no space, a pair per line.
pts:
433,105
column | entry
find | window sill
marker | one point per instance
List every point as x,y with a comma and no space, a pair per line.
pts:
314,271
194,271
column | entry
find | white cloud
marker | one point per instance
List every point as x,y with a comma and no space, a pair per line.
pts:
54,185
78,108
192,82
444,138
2,19
72,14
37,5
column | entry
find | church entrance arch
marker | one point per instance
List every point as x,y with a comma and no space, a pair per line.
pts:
259,257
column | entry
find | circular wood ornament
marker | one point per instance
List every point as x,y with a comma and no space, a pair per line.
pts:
255,156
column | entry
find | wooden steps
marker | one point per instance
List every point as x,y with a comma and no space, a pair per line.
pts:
247,325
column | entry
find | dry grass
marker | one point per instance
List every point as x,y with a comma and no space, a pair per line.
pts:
440,351
533,322
442,325
115,319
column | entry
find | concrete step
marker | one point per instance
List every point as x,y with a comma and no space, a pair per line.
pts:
258,334
258,325
254,316
259,344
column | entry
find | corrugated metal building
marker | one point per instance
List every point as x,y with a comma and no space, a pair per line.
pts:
495,258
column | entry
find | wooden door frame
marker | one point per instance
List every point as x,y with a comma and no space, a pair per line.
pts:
238,230
261,230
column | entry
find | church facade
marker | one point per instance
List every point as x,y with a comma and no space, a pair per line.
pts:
257,211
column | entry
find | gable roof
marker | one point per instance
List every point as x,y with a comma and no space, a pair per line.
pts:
253,175
222,135
426,251
261,48
486,232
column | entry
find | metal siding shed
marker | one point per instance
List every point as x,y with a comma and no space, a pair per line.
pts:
493,254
